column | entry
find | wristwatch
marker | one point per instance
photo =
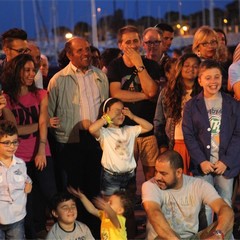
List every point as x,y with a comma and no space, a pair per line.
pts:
140,68
219,233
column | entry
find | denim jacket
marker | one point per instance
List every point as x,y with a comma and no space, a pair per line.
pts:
164,126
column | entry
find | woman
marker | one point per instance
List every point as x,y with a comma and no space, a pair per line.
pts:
27,108
206,45
181,86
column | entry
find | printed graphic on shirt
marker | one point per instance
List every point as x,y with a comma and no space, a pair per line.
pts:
122,149
128,84
215,122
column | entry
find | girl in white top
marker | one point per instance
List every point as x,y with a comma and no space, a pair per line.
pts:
117,142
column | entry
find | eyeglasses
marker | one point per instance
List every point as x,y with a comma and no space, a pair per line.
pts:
152,43
15,143
211,43
21,50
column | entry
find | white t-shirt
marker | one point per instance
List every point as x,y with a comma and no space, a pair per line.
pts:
80,232
118,147
180,207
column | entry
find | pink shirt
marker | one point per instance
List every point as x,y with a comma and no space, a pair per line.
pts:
29,143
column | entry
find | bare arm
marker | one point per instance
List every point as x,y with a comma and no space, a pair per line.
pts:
225,215
149,86
125,95
22,129
95,127
158,221
236,90
87,204
101,204
146,126
40,159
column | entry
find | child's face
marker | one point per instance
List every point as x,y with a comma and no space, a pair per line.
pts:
66,212
8,146
115,203
211,81
119,117
190,69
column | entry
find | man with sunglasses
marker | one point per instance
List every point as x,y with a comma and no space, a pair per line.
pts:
14,42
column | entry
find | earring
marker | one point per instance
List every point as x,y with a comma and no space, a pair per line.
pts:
198,54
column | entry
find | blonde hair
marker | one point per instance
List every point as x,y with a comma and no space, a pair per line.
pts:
201,35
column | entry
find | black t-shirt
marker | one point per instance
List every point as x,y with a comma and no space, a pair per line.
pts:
119,72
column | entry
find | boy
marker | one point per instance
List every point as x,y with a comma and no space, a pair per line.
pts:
14,184
211,128
112,213
64,209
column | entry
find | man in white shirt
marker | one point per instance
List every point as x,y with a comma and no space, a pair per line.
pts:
173,200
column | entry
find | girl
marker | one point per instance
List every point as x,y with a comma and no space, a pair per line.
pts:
182,85
117,142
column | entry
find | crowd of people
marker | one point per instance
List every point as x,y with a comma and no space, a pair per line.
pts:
70,142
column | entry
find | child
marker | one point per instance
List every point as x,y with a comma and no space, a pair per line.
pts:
64,209
112,213
211,128
14,184
117,142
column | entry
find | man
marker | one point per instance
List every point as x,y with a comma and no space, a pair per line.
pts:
167,34
173,201
133,80
152,46
14,42
151,43
75,95
36,54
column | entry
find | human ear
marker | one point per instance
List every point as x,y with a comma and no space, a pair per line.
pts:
179,172
54,213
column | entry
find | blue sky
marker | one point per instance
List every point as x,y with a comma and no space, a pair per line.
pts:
20,13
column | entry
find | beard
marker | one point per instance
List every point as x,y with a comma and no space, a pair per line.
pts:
170,185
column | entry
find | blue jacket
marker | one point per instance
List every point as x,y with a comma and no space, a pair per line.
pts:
197,134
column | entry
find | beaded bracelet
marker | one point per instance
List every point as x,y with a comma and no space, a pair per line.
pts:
107,119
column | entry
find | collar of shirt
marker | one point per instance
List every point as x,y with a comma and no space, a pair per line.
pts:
76,70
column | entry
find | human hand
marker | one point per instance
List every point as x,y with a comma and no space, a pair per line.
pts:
207,167
126,112
134,56
76,192
100,203
112,113
28,187
54,122
219,167
3,101
40,161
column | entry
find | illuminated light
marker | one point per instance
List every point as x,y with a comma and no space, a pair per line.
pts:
225,20
68,35
178,26
184,28
99,10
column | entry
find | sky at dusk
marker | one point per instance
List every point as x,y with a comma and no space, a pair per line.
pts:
20,13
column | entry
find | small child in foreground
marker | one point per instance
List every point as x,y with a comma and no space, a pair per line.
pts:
64,210
111,213
14,184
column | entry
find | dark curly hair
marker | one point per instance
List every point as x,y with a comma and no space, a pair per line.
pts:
126,202
175,89
11,77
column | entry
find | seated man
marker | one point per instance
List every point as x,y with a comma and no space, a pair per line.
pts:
173,200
